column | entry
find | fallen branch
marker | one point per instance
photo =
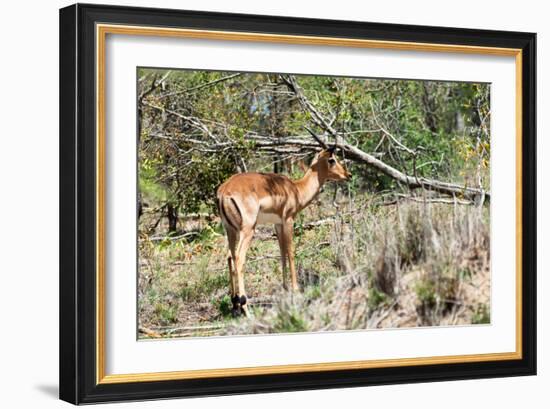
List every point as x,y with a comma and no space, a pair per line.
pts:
198,87
173,238
375,321
442,200
193,328
149,332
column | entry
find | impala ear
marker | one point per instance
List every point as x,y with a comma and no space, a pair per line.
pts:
332,149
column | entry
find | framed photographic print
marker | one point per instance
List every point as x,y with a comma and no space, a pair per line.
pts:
258,203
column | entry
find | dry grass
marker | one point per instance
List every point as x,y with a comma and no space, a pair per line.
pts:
370,266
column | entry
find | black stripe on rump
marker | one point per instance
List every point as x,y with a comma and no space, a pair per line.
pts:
238,210
225,216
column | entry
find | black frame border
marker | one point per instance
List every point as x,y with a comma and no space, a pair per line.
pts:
77,316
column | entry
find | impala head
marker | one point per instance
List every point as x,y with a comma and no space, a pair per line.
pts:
329,167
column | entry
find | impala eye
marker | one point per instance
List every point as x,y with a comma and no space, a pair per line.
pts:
331,161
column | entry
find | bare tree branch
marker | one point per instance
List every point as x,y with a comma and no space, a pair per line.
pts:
154,85
198,87
358,155
388,134
293,145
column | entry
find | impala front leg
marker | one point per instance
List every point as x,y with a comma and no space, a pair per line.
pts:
282,250
245,237
288,234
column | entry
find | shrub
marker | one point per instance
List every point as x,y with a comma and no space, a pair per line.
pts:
481,315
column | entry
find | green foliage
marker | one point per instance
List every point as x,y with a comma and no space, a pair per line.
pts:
376,298
313,292
187,293
465,273
412,240
290,320
445,123
212,283
481,315
166,313
208,235
147,182
436,294
224,305
426,292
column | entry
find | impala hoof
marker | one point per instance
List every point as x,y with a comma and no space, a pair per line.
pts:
239,306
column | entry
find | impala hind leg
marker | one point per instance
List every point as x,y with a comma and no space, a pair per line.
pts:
231,264
245,238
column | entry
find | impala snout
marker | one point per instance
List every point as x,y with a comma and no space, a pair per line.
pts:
343,173
345,176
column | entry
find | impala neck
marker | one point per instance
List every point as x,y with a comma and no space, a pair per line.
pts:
309,186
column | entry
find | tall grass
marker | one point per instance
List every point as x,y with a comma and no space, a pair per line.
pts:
362,265
410,264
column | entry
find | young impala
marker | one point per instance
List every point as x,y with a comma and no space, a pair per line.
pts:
248,199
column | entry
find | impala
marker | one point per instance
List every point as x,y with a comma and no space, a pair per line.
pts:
246,200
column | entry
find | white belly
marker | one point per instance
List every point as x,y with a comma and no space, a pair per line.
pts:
268,218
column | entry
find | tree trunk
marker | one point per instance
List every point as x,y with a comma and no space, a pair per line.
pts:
172,215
